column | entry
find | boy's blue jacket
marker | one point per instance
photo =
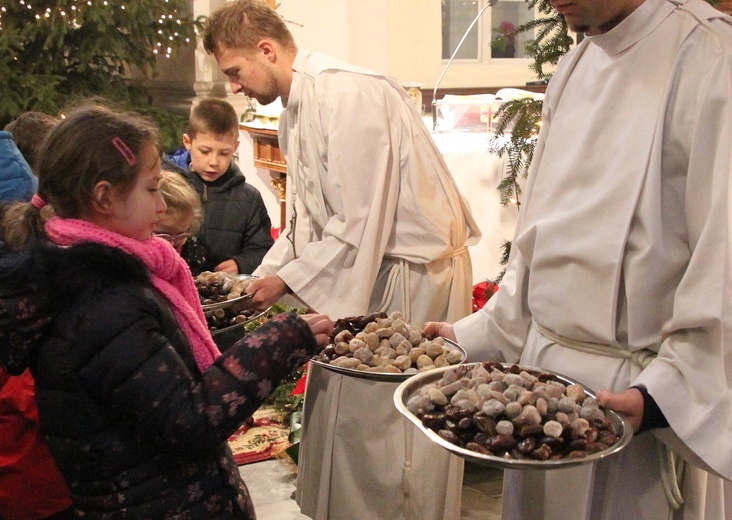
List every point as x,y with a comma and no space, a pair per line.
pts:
17,181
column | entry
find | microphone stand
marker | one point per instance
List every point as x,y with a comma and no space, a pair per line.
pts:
490,3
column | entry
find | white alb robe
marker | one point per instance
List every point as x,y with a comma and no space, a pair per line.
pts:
625,240
381,225
372,194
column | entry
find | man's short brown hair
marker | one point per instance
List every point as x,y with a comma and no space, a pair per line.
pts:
242,24
213,116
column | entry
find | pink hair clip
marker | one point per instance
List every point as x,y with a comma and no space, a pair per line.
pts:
37,201
125,151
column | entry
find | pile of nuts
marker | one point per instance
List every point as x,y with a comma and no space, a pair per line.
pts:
234,315
221,287
385,344
513,413
216,287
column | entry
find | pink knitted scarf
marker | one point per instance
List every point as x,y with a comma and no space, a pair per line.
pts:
168,272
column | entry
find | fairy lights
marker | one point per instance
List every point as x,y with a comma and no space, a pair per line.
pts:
73,12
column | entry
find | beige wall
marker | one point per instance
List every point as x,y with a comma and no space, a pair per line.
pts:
401,38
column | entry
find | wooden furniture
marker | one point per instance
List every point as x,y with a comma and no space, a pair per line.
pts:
267,155
724,6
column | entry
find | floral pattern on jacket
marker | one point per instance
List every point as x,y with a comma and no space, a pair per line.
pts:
136,429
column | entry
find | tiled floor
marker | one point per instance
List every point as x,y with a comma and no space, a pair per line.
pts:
272,485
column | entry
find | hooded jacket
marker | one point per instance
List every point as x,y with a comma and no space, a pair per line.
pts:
135,428
17,181
235,221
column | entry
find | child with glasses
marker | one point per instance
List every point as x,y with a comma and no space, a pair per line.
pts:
181,220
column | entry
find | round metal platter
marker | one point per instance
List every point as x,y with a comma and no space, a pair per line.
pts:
385,376
620,424
240,325
229,303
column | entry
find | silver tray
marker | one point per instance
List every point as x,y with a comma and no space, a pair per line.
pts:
228,303
387,377
620,424
240,325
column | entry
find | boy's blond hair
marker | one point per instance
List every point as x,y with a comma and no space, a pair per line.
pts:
180,197
213,116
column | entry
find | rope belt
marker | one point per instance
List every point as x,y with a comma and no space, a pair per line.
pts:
398,276
399,279
640,357
458,251
672,466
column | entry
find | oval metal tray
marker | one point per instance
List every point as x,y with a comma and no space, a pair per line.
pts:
621,425
240,325
228,303
388,377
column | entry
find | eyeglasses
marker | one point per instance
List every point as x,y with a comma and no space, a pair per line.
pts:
174,239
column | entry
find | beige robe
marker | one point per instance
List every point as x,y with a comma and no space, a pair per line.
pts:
625,241
379,217
380,225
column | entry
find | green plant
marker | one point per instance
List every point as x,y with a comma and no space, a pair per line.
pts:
56,53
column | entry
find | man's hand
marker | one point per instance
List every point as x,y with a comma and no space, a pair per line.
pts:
321,326
439,328
629,403
267,290
228,266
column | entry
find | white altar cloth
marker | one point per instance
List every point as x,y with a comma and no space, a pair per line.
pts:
477,173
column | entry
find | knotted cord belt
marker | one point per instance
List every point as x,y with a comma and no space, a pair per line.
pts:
399,272
672,466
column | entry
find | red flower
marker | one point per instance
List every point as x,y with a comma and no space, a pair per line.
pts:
482,292
300,385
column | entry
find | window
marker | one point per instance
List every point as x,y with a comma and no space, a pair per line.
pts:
503,17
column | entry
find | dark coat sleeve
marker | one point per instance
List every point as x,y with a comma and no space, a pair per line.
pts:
141,375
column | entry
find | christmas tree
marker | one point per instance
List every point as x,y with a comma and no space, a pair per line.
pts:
56,52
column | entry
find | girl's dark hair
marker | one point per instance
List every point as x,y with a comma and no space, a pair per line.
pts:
92,143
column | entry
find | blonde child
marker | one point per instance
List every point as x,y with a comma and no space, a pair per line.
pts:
134,398
181,220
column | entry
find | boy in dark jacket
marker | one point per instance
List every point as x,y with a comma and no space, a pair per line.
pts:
235,230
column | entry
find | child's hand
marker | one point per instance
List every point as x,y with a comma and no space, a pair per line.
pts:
228,266
321,326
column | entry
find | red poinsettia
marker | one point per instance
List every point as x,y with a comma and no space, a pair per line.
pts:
300,385
482,292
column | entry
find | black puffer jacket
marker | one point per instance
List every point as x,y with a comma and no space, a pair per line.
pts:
135,428
235,222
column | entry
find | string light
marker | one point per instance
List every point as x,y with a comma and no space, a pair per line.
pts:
165,20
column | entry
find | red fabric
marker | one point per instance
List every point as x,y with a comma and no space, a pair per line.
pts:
482,292
30,484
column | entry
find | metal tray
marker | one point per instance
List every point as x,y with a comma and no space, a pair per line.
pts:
620,423
239,325
387,377
228,303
